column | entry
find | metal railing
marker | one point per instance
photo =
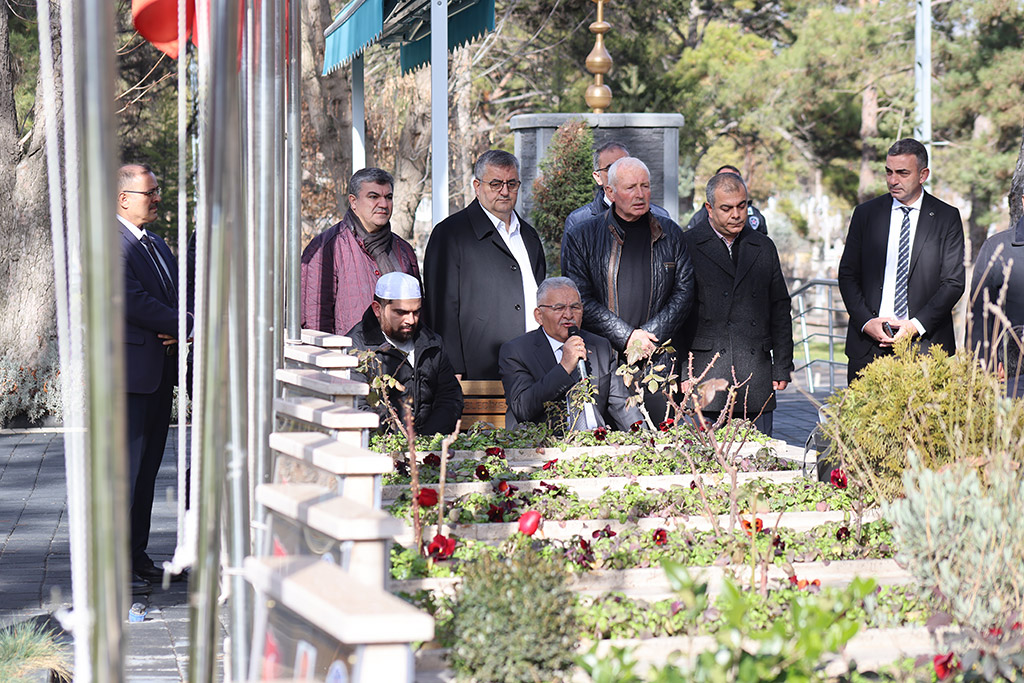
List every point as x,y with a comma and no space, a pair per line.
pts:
834,329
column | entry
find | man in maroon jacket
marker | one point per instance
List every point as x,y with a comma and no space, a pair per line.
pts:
341,265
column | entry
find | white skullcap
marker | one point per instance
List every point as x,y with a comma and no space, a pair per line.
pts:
398,285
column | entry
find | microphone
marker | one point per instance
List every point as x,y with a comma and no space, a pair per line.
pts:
582,365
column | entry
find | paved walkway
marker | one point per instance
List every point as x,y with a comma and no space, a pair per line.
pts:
35,567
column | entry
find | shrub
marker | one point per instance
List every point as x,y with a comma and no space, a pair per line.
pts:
30,390
961,534
28,648
940,405
514,621
564,185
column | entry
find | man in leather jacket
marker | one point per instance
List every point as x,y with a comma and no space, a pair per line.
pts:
632,268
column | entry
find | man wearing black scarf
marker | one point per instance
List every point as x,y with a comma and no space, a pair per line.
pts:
341,265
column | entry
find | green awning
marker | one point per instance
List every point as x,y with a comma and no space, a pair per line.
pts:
362,23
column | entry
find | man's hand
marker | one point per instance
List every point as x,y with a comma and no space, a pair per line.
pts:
907,329
648,341
168,339
874,330
779,385
572,351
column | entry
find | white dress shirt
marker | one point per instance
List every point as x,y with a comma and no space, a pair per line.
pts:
513,237
888,306
589,418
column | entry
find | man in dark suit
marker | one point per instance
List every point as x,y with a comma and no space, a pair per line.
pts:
604,156
743,307
755,219
151,330
902,269
542,366
481,270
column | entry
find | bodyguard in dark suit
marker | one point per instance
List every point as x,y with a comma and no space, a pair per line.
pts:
542,366
743,307
151,328
481,270
903,263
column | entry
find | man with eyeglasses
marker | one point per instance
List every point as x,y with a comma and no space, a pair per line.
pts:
604,156
539,368
150,338
481,269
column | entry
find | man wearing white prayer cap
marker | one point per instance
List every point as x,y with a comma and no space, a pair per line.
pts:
411,354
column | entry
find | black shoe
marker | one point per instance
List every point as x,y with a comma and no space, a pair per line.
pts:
150,572
140,586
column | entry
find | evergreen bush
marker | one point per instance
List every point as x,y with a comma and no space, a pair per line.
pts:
514,620
941,406
564,184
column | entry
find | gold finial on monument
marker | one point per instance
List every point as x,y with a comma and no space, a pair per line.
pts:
599,62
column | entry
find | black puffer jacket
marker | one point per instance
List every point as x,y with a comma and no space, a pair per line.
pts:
590,257
436,394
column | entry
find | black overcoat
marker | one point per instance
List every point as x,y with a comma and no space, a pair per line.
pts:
742,314
474,290
989,275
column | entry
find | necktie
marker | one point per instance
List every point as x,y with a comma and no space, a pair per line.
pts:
165,282
903,266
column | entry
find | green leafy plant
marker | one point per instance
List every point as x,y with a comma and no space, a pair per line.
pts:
565,184
514,620
935,403
27,648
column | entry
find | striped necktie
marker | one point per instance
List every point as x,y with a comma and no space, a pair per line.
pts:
903,266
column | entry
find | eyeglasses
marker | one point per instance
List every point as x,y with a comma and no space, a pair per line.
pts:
559,308
603,170
496,185
149,193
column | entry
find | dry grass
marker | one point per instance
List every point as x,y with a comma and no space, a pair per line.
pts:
26,648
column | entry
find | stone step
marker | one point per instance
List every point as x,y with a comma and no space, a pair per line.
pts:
321,384
325,339
325,414
322,510
330,455
328,598
305,355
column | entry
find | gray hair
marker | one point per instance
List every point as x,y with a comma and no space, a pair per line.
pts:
611,144
498,158
730,182
626,162
377,176
553,283
129,172
913,147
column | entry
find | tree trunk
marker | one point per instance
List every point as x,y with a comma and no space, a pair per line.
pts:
27,314
412,158
868,132
327,153
1017,188
462,132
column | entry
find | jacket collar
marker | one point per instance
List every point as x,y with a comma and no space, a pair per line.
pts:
620,235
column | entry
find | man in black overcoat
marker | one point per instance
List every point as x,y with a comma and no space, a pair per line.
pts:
743,307
481,271
903,263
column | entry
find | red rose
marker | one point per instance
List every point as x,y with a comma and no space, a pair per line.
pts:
838,478
842,533
660,537
432,460
549,464
496,451
482,474
636,426
944,665
600,433
529,522
495,514
666,425
441,548
427,498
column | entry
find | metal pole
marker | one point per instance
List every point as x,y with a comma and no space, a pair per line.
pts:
923,72
182,272
252,170
103,323
831,343
294,156
439,109
279,194
224,212
358,114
